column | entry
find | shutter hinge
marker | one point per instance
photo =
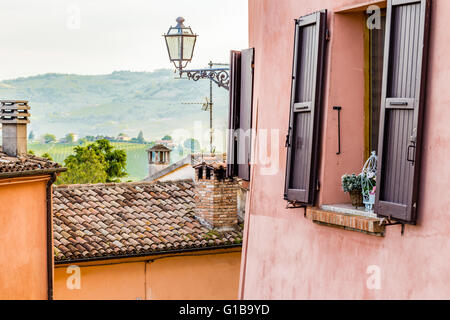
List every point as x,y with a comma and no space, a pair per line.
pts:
317,185
327,35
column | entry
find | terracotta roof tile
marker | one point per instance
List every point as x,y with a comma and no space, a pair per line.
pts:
110,220
25,163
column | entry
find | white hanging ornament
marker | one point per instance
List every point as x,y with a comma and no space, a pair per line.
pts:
368,175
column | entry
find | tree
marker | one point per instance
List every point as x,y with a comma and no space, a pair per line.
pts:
85,166
167,138
70,138
95,163
49,138
47,156
31,136
116,160
140,137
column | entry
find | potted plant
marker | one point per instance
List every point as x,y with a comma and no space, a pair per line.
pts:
351,183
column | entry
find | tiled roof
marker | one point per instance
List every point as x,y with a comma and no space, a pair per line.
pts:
25,163
127,219
159,147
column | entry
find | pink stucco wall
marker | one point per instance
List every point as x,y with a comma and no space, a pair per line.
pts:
286,256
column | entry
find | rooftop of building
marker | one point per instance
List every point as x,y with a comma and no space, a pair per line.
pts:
26,164
159,147
104,221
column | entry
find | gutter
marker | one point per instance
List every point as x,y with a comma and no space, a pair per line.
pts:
50,236
148,254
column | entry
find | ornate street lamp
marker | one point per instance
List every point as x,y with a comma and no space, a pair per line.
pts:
180,42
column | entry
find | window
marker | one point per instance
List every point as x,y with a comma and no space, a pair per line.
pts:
240,116
396,57
302,141
375,51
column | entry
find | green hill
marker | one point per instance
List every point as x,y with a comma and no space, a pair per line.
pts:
119,102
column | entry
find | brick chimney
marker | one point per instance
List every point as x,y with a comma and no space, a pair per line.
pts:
215,197
14,119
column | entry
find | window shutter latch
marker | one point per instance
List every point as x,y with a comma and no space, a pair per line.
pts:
288,138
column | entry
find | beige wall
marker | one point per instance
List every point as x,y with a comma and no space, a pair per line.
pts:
206,276
195,277
23,238
113,281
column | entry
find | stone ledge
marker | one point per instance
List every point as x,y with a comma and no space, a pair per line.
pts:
349,222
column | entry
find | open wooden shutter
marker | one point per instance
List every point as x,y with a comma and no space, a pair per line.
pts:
303,137
233,118
402,108
240,117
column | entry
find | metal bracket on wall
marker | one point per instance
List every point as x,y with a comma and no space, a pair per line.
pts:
295,205
339,128
387,222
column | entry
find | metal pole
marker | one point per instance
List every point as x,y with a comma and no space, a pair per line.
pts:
210,112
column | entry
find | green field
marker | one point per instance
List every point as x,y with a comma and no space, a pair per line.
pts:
137,166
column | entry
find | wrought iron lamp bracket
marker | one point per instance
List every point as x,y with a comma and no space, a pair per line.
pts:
220,76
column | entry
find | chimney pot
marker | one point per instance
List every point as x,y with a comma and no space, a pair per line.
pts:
14,117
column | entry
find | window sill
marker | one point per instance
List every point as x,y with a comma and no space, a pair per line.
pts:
347,208
351,222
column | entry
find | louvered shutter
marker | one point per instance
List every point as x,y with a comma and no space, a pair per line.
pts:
233,118
245,114
240,116
402,109
303,137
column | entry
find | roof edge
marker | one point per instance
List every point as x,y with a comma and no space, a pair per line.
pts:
29,173
118,184
147,254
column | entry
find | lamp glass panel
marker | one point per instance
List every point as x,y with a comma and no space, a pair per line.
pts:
188,47
174,47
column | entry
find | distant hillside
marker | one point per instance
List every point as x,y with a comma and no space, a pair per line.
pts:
119,102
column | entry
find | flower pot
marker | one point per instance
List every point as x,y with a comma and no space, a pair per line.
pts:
357,198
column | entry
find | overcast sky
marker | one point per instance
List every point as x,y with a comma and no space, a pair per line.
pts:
101,36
